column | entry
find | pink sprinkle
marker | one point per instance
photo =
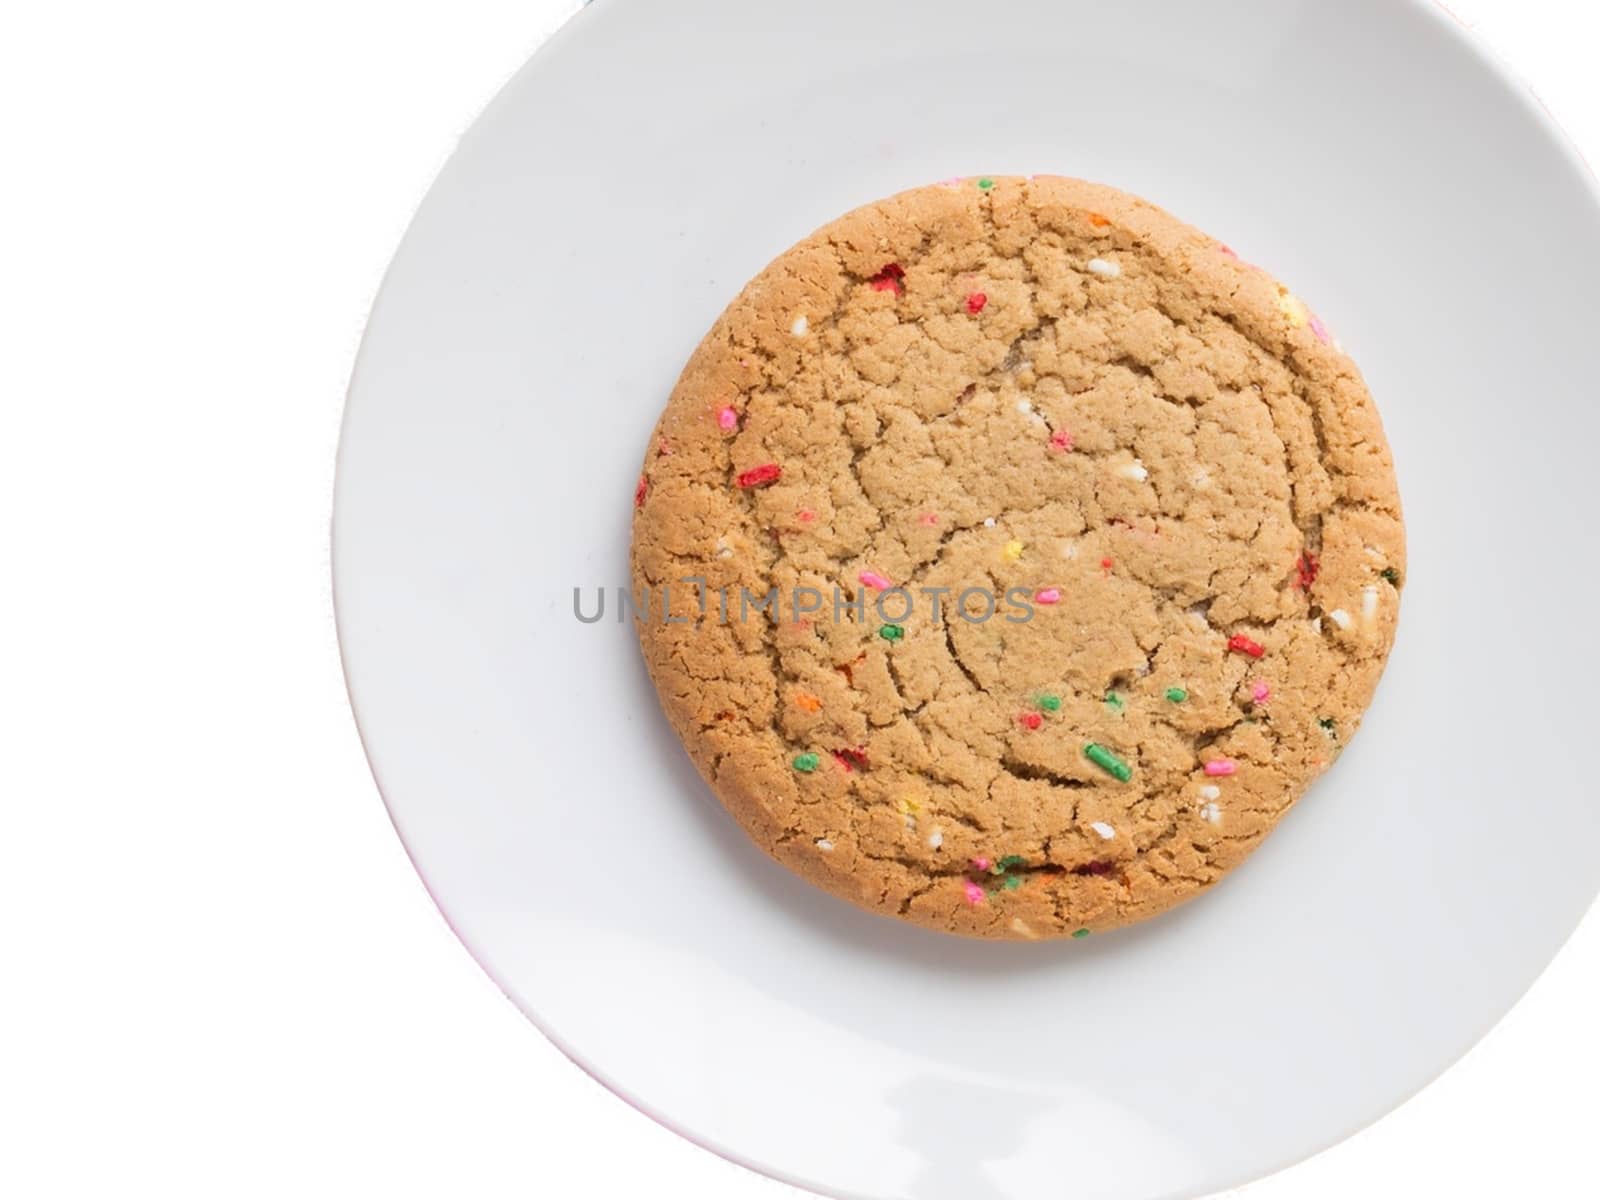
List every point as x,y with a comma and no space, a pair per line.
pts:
1259,690
1222,766
930,518
1061,441
1321,330
805,514
1227,252
980,864
873,580
974,893
727,418
1048,595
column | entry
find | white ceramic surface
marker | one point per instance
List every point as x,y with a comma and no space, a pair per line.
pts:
651,158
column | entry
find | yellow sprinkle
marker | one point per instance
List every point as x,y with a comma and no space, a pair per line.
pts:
1013,550
1289,304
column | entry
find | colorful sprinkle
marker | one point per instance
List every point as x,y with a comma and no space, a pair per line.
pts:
1260,691
1292,308
975,303
1340,618
1222,766
1177,695
1108,762
1390,576
727,417
888,279
664,448
973,892
1049,703
1105,831
1321,330
1048,596
1080,933
805,515
986,183
1369,603
1305,571
640,492
1006,863
1061,440
800,326
825,845
980,864
1115,702
1098,221
988,522
851,758
1211,812
874,580
936,839
929,518
1104,268
1105,564
1013,550
807,762
1210,792
1030,720
1012,883
1227,251
1240,644
761,476
891,633
1134,470
806,702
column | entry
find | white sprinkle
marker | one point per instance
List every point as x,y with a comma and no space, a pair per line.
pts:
936,838
1024,407
1316,625
1104,268
1069,549
1212,813
1105,831
1374,553
723,549
1134,470
800,326
1202,479
1340,618
1369,603
988,522
825,845
1018,925
1211,792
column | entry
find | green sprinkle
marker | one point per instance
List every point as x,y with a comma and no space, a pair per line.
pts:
892,633
806,762
1177,695
1390,574
1080,933
1009,861
1013,882
1050,703
1108,762
986,183
1114,702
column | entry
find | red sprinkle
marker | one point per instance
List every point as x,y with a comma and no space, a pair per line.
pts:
851,757
1061,440
975,303
1106,563
888,279
806,515
760,476
640,492
1243,645
1030,720
1306,571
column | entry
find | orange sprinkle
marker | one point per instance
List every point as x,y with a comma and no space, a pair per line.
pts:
808,702
1098,221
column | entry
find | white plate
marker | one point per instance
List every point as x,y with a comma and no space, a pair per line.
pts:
650,159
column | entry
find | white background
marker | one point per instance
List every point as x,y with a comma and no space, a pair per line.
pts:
218,974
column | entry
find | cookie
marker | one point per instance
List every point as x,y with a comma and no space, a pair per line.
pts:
1010,557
